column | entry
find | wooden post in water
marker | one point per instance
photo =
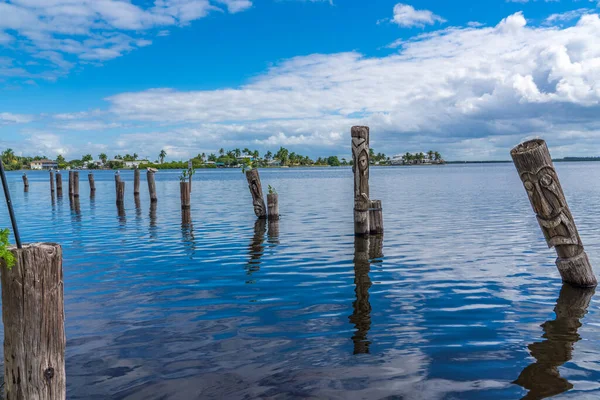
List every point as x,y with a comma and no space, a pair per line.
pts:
257,194
184,188
540,179
151,186
34,324
25,183
136,182
117,180
70,183
120,193
76,184
52,183
92,184
59,190
273,205
360,167
376,218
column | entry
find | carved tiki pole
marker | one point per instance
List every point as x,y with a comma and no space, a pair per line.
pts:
257,194
360,167
539,177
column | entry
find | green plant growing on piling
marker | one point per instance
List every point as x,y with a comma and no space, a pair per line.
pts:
5,254
186,174
272,190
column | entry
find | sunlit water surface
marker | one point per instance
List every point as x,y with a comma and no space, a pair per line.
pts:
457,302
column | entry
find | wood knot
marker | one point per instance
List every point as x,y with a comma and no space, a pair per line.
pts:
49,373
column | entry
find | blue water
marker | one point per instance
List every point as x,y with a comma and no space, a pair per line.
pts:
451,305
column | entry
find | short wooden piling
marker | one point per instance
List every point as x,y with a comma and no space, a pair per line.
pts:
360,167
273,205
70,183
76,184
136,182
92,183
34,327
184,189
51,183
376,218
59,188
25,183
546,196
151,186
255,186
117,180
120,193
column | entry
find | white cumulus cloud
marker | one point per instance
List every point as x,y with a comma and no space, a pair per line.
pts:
407,16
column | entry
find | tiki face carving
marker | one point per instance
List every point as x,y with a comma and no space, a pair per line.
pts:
257,201
553,215
360,158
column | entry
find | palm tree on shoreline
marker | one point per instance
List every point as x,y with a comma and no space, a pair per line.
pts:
162,156
103,157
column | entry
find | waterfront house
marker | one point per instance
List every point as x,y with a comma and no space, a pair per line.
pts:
44,164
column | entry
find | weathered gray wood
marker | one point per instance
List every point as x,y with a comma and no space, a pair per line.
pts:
59,188
92,183
117,180
70,183
273,232
360,167
34,330
273,206
184,189
361,317
120,192
376,217
25,183
546,196
151,186
52,183
542,378
255,186
76,184
136,181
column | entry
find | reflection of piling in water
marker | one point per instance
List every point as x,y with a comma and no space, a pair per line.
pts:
138,207
273,232
542,378
361,317
121,212
136,181
186,217
256,247
152,216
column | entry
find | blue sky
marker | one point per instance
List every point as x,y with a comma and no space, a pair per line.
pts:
467,78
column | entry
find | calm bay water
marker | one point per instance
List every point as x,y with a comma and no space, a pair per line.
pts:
457,301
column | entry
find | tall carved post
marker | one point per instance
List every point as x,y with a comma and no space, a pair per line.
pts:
59,190
34,324
361,317
257,194
540,179
151,186
76,184
360,167
542,378
136,181
25,183
52,183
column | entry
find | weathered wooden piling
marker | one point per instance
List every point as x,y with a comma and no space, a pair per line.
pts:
117,180
151,186
120,193
51,183
361,317
59,188
136,182
540,179
34,327
360,167
184,189
25,183
273,232
92,183
273,206
257,194
376,217
70,183
76,184
542,378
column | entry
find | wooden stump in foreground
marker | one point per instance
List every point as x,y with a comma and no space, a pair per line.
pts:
34,327
151,186
273,206
92,183
120,193
59,189
376,217
184,189
257,194
540,179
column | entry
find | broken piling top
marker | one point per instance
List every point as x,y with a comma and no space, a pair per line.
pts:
536,170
